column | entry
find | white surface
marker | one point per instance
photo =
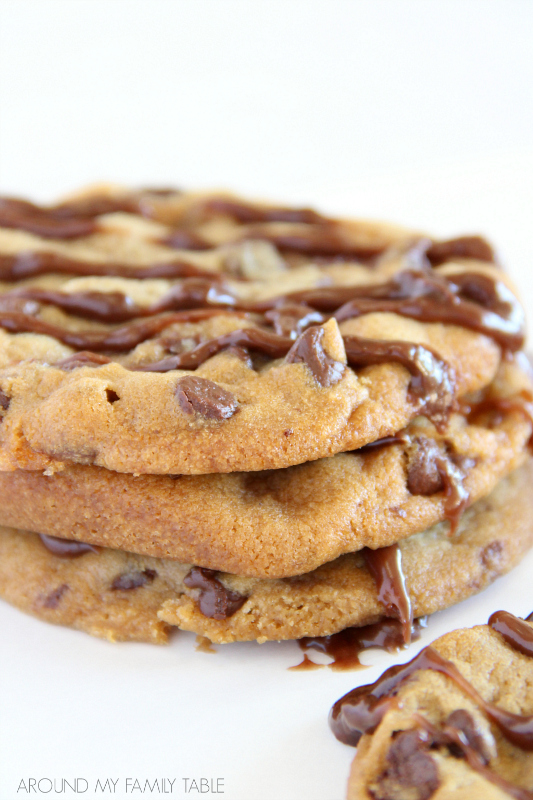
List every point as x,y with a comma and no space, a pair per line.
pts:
412,111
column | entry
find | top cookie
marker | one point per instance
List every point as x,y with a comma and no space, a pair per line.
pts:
178,333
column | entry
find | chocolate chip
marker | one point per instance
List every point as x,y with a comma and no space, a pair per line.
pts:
215,600
53,599
308,349
206,398
112,396
4,400
65,548
409,766
491,555
462,247
133,580
464,722
423,474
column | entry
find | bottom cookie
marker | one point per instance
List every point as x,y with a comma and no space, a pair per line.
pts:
122,596
456,722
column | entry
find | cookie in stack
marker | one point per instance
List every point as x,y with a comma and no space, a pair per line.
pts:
252,421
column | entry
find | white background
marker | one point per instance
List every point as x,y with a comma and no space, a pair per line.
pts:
415,111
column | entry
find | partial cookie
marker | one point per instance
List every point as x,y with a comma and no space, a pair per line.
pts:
195,366
456,722
120,596
287,522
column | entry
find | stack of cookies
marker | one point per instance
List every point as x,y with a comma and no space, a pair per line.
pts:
251,421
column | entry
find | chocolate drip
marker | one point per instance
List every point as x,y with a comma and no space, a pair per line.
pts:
433,380
30,264
385,566
517,633
308,349
65,548
344,647
215,601
361,710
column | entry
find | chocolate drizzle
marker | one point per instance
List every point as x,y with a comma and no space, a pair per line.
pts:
214,601
385,566
31,264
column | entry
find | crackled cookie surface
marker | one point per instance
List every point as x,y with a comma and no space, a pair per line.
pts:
119,595
179,333
455,722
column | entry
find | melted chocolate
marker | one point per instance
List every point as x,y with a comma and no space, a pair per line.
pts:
462,247
206,398
308,349
215,601
409,766
431,470
344,647
385,566
248,338
65,548
43,221
515,631
118,340
470,300
319,240
247,213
